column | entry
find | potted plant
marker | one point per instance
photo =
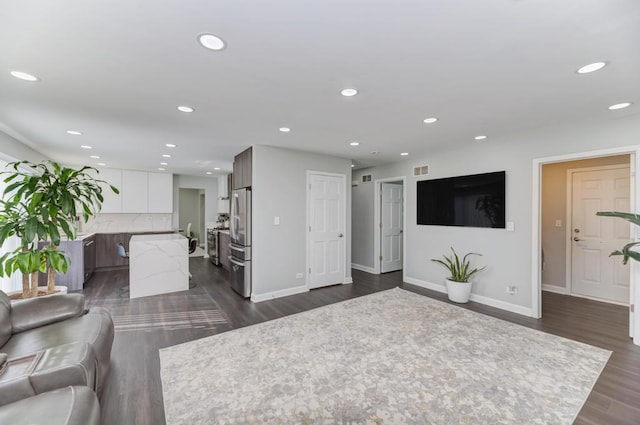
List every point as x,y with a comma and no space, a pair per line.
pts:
459,281
40,204
626,251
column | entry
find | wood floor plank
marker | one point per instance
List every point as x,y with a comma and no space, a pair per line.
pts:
133,390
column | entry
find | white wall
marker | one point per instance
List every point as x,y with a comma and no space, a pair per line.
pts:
362,197
13,150
279,190
507,254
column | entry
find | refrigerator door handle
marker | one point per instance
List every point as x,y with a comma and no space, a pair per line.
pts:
237,263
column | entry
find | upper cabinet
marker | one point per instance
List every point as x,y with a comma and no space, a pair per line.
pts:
112,202
140,192
134,191
160,193
242,169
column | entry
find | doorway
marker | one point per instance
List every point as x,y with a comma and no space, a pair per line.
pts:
566,258
326,210
389,221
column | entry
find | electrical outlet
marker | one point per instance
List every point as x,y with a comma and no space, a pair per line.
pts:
512,290
299,275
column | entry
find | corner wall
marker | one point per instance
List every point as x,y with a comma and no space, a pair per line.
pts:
279,190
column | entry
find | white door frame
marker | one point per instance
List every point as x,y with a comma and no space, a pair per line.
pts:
536,215
377,214
568,219
343,212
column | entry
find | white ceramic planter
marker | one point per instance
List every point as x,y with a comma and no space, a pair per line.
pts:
61,290
458,292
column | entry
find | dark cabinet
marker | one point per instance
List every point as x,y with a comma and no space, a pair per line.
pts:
224,250
242,169
107,251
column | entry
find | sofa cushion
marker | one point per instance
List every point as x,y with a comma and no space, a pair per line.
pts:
66,406
5,318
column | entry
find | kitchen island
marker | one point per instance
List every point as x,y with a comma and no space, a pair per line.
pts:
158,264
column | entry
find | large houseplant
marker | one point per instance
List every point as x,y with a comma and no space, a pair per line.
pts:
626,251
40,203
460,273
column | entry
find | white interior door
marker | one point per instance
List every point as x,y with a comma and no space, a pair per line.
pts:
326,230
593,238
391,204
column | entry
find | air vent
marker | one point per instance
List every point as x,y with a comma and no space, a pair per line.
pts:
366,178
354,183
421,170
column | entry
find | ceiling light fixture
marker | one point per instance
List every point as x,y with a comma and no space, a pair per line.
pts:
592,67
102,164
619,106
160,169
185,109
86,147
211,42
166,155
164,163
430,120
354,143
74,132
170,145
352,165
94,157
480,137
284,129
216,168
24,76
348,92
404,154
209,172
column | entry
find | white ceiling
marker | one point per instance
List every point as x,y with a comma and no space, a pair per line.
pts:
116,70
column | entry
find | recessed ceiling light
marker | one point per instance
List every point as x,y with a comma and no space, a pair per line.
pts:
74,132
430,120
164,163
102,164
166,155
24,76
284,129
619,105
160,169
184,108
86,147
352,165
354,143
216,168
170,145
348,92
94,157
211,42
404,154
591,67
209,172
480,137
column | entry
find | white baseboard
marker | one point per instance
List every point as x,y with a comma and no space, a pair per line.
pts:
256,298
362,268
347,280
557,289
492,302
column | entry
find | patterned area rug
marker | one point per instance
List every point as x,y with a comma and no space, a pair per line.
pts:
393,357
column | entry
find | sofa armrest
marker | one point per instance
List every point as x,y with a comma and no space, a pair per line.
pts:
35,312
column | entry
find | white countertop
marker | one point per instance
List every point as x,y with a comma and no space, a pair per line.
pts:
157,237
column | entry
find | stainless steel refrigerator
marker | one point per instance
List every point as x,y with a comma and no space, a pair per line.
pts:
240,236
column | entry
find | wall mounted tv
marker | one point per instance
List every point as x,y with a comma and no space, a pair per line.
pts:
476,200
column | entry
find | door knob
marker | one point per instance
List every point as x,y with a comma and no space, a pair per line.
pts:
340,235
577,239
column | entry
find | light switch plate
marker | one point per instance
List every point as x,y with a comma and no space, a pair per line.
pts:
511,226
276,221
558,223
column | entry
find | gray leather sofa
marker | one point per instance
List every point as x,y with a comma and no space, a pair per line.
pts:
51,343
66,406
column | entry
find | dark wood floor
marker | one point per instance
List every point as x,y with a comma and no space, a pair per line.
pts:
133,390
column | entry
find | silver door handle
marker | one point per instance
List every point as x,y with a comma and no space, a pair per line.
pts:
577,239
340,235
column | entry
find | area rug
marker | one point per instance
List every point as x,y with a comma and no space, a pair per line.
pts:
393,357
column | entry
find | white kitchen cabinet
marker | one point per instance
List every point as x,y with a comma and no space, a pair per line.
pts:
134,191
112,202
160,193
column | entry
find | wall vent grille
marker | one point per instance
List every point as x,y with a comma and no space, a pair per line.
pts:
421,170
366,178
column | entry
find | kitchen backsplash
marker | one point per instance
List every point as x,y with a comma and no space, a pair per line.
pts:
112,223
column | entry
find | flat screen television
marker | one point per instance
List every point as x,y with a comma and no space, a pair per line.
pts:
476,200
